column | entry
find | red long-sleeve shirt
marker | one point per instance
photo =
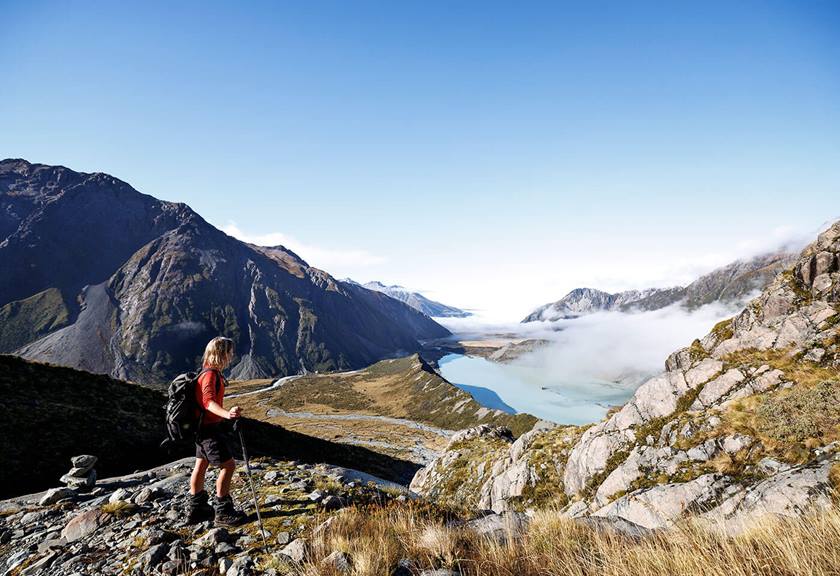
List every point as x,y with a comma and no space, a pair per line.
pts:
205,393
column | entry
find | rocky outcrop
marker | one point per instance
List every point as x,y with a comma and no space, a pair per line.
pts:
496,472
713,410
134,524
150,282
731,284
744,422
792,316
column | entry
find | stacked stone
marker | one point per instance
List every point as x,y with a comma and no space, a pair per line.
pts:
81,476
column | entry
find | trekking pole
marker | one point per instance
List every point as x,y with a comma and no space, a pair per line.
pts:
251,481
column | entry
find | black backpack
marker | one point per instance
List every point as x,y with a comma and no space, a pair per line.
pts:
182,423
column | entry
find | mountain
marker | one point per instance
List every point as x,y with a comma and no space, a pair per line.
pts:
583,301
418,301
743,424
731,284
100,277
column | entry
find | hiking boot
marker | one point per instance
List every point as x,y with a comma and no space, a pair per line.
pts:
199,509
226,513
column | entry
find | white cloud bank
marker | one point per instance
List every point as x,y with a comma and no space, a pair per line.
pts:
591,363
619,346
337,261
606,346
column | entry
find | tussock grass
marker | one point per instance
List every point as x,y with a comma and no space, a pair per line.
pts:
798,415
796,369
119,509
377,540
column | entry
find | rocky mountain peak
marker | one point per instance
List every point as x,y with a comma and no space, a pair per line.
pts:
416,300
732,284
153,281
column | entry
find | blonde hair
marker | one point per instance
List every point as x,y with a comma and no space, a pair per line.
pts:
218,353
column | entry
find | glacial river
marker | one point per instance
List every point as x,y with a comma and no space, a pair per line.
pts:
515,388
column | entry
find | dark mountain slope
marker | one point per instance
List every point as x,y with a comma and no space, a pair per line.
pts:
52,413
136,287
64,229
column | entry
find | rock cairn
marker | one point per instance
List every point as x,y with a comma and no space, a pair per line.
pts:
81,476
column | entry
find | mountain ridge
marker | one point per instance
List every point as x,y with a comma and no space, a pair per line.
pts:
415,299
154,281
729,284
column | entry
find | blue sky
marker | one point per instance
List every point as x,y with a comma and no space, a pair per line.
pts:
493,154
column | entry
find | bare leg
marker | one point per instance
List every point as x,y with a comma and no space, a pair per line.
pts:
225,476
197,477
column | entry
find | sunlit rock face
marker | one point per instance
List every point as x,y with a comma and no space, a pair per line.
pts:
744,422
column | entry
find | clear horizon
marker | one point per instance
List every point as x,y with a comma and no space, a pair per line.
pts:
492,158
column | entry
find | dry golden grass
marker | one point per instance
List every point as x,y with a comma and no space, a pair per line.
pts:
377,539
397,440
405,388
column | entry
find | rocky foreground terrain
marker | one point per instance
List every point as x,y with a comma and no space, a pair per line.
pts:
54,412
134,524
742,424
150,282
732,284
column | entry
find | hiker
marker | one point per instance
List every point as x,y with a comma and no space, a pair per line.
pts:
212,445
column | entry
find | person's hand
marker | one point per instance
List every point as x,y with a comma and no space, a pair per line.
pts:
235,413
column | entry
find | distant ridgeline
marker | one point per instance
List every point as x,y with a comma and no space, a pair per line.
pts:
100,277
416,300
731,284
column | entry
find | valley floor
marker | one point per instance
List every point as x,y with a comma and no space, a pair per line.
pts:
400,407
338,419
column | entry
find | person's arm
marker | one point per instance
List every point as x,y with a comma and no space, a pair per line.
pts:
208,398
231,414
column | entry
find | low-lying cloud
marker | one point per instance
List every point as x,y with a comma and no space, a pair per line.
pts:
607,346
621,347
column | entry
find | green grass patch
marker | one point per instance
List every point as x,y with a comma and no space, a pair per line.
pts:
119,509
613,462
696,351
723,331
25,321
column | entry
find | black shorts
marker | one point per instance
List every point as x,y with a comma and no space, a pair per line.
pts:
213,444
